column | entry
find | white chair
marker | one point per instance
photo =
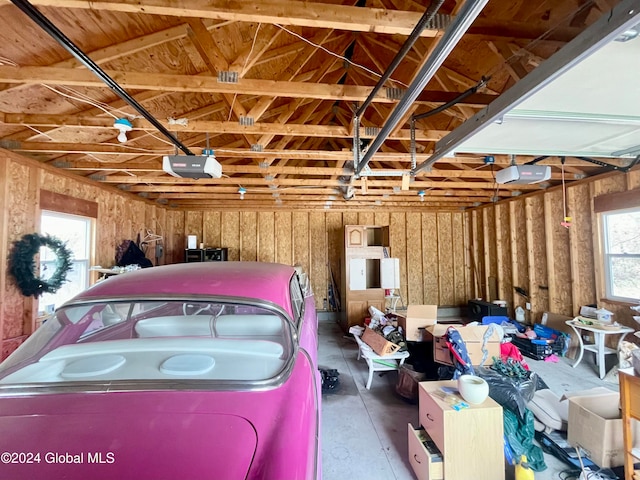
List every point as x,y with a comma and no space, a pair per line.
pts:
379,363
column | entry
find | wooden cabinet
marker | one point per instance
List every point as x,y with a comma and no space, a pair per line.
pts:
364,248
630,402
470,440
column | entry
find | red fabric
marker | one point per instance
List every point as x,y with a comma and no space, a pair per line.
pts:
509,350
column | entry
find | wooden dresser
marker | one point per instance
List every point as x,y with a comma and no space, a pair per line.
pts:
470,441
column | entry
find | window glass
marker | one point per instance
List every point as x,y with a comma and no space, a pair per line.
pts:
162,340
622,254
76,232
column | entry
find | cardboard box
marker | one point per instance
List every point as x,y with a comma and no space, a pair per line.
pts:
473,337
417,318
595,424
378,343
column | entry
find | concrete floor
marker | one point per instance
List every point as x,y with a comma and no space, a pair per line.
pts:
364,432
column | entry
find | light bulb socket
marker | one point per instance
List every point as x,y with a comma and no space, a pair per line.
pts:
124,126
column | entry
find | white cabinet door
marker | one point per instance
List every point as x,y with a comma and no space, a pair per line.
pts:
390,273
358,274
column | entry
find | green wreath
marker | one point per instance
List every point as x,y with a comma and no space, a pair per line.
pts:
22,265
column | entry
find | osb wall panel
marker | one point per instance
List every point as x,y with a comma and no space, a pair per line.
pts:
284,242
460,292
490,256
415,292
380,218
335,245
477,257
230,236
366,218
4,241
266,237
503,253
398,243
20,220
610,184
558,255
351,218
537,259
302,245
633,179
193,225
211,229
248,237
445,259
430,258
580,237
175,241
318,257
519,253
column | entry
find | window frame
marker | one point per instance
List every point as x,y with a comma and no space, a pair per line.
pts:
606,257
84,263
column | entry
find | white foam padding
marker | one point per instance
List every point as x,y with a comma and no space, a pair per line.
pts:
248,325
547,407
175,326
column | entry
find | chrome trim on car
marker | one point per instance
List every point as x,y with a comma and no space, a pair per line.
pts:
315,385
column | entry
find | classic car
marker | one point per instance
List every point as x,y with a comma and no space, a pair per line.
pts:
188,371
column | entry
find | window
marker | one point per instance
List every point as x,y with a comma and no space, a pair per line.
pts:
621,233
76,231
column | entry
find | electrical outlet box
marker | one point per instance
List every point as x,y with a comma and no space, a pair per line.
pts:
528,306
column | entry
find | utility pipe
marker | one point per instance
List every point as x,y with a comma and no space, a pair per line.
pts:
44,23
451,37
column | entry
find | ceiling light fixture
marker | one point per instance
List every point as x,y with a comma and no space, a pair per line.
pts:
124,126
421,193
242,191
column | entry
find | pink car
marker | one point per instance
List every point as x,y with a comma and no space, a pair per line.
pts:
191,371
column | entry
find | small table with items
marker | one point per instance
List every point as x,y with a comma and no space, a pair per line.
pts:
599,332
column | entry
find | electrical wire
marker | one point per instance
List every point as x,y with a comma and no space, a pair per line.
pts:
40,132
246,60
95,104
525,50
341,57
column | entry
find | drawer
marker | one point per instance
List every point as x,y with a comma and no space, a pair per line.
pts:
432,418
425,460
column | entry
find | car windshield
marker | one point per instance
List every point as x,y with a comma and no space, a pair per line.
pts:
155,340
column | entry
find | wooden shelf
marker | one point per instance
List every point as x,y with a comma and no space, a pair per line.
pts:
364,247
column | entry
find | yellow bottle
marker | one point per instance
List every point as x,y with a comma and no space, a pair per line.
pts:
523,472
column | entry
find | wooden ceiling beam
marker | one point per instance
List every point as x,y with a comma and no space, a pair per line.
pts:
372,182
232,194
315,15
204,84
283,12
204,126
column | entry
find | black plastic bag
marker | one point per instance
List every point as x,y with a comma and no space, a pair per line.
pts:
511,393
